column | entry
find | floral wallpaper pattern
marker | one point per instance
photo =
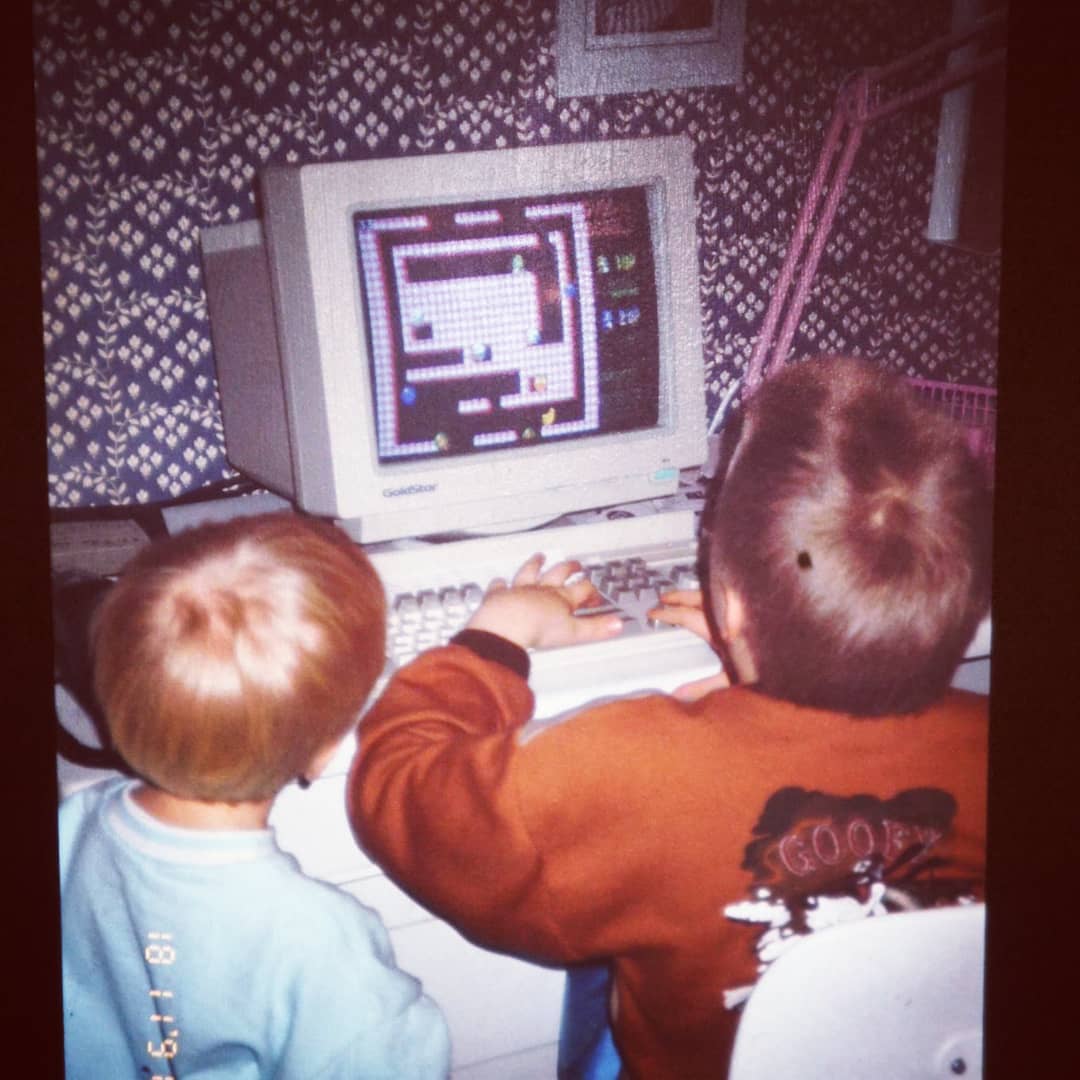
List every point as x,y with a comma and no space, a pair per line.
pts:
154,116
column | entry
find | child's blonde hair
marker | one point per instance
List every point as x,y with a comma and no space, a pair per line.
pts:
854,524
226,657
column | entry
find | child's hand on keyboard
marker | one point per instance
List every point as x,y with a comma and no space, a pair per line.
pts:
536,610
682,607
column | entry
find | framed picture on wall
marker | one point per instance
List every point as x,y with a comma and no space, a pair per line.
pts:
627,46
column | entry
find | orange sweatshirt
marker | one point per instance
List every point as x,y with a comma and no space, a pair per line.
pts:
685,844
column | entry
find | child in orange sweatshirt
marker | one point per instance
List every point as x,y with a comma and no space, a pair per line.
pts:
686,843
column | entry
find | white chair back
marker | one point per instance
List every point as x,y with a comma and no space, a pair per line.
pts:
896,997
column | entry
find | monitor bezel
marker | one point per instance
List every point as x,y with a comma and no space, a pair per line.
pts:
308,213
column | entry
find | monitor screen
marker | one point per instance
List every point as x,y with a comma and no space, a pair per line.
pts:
464,342
509,322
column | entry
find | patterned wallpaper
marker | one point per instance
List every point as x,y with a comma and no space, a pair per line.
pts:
153,117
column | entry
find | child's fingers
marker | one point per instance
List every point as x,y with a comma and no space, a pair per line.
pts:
532,571
673,616
677,616
529,572
584,628
580,594
689,618
694,691
683,598
561,573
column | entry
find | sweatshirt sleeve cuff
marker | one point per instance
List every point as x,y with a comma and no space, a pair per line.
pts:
490,646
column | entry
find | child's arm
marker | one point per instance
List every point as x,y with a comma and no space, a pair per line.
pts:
435,792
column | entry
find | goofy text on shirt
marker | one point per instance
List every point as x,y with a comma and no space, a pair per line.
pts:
818,860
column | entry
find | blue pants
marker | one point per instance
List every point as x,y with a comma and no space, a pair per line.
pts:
586,1049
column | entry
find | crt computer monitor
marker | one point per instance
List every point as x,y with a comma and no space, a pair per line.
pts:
464,342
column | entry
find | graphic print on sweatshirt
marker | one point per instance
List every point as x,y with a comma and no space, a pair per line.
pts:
818,860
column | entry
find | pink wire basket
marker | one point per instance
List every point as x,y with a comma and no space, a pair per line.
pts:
973,407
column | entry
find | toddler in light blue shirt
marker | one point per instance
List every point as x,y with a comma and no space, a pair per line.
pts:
229,660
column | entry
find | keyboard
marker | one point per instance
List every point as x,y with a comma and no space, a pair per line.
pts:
432,589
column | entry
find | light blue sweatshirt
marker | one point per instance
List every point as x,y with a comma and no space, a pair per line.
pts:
205,954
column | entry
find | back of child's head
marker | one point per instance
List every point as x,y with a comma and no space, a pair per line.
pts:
226,657
854,524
